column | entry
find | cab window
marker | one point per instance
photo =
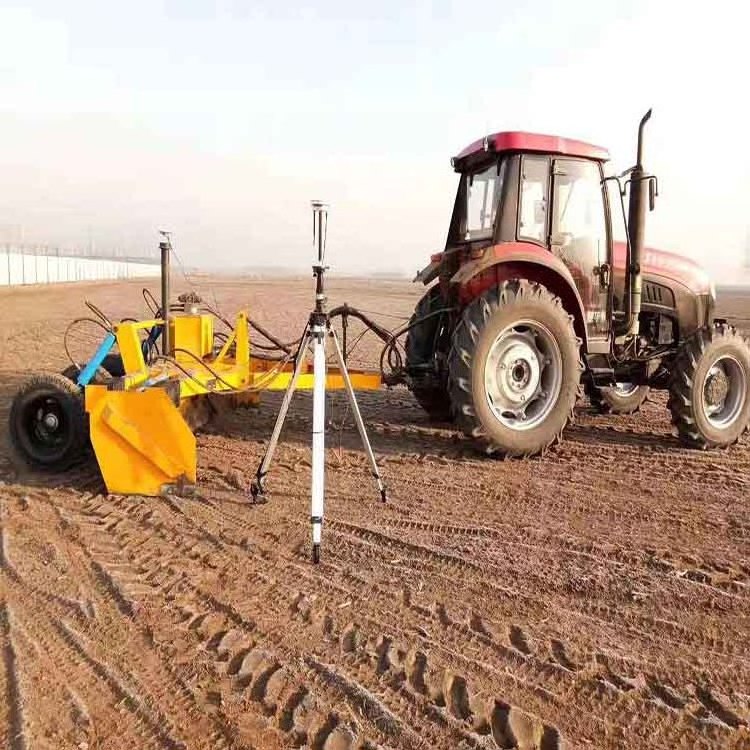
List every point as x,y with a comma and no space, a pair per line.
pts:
578,221
532,211
483,190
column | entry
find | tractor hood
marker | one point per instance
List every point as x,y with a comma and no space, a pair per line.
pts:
668,265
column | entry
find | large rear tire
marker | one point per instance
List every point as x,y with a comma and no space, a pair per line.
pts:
515,369
709,392
427,381
621,398
47,424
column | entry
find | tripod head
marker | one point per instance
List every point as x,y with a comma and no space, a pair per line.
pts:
320,232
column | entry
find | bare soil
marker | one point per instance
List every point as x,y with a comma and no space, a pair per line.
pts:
598,597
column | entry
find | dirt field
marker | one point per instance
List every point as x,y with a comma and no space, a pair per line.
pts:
598,597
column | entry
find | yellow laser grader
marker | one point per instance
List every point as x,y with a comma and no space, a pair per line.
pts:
136,407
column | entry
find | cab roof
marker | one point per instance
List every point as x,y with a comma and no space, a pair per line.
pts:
515,140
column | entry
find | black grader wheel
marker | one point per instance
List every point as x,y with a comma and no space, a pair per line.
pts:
515,369
48,425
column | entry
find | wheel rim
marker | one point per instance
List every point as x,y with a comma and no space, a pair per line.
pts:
724,392
523,375
46,428
625,389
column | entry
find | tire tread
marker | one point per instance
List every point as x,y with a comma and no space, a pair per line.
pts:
465,338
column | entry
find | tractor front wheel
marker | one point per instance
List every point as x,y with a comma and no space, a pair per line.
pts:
48,426
515,369
709,393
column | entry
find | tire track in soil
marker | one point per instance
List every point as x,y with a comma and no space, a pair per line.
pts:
163,684
152,719
735,589
457,563
69,669
136,681
614,556
298,710
464,633
647,696
614,677
647,623
13,697
592,682
355,693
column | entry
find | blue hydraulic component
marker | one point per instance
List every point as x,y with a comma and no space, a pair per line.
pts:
88,372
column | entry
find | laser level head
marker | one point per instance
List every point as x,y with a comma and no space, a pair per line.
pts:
320,228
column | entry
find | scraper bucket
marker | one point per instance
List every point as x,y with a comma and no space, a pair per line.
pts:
142,443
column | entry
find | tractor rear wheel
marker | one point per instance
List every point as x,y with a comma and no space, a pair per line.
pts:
621,398
48,426
515,369
426,381
709,393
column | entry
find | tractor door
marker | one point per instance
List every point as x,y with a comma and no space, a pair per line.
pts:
578,236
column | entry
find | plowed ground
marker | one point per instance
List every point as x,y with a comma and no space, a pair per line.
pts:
598,597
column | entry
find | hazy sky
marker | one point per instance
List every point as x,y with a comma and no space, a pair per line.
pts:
221,120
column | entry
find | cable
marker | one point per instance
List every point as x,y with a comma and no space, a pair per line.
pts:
203,364
182,267
99,314
151,302
68,329
383,315
258,386
263,332
394,356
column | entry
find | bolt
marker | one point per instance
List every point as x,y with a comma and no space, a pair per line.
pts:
50,421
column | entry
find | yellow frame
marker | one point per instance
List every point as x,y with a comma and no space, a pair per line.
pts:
138,429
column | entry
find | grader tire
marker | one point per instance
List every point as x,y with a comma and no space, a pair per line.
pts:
503,337
48,425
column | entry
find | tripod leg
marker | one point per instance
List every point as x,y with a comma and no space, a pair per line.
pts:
318,440
358,416
257,488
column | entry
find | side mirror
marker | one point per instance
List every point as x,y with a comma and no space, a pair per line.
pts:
653,192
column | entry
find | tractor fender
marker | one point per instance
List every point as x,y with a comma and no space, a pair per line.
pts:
508,260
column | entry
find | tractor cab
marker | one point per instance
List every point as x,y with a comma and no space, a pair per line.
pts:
545,193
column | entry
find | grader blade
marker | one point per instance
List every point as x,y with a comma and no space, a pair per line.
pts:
142,443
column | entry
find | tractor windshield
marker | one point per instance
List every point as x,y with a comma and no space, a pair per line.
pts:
483,189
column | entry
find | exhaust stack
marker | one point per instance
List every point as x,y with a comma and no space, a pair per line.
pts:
642,187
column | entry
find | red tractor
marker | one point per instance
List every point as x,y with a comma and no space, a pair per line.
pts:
535,301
